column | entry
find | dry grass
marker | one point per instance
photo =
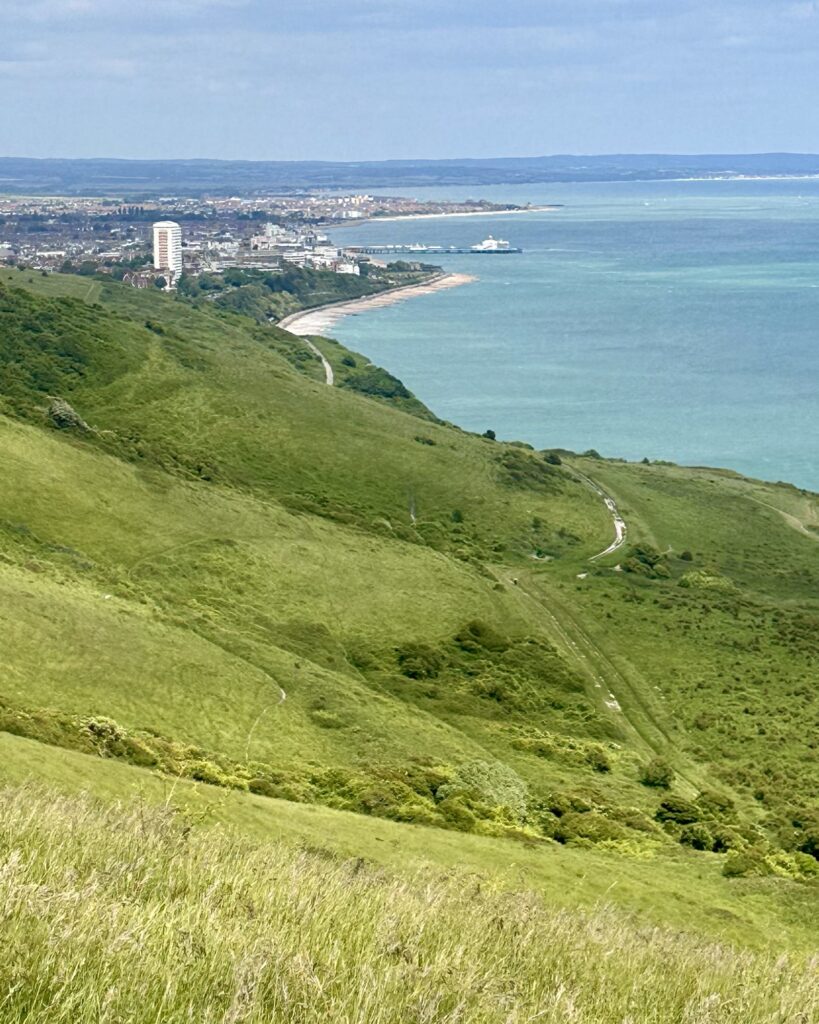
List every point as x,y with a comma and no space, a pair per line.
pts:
127,914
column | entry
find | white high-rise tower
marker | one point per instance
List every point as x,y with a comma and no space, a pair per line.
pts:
168,249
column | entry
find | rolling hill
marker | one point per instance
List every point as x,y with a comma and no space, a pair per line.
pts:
321,616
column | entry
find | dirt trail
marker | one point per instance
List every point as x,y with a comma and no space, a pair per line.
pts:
791,520
329,378
620,527
629,699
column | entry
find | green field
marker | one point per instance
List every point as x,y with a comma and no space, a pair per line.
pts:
319,616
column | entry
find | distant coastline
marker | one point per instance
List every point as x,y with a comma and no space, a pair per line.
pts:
321,318
456,213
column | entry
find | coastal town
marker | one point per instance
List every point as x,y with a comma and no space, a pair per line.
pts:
154,241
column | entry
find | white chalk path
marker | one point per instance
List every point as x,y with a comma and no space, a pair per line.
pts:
329,377
620,528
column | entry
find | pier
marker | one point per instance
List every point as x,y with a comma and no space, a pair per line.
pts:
427,250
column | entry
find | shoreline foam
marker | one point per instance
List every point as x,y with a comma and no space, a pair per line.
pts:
321,318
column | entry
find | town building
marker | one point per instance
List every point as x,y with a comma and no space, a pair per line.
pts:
168,250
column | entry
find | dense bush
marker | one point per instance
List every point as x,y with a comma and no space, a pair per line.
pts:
592,827
643,560
745,863
700,580
419,660
521,468
376,382
476,636
697,836
658,773
677,811
490,782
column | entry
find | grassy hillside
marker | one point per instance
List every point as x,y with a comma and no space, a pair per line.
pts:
676,887
129,915
215,568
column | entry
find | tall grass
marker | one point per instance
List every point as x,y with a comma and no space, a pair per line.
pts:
127,914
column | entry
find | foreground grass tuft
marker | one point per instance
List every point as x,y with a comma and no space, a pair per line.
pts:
129,914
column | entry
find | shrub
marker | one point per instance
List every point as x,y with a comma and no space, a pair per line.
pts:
726,838
699,580
644,560
657,773
105,731
697,836
746,864
208,771
491,782
456,814
809,842
598,758
419,661
592,827
715,805
634,819
376,382
476,634
677,811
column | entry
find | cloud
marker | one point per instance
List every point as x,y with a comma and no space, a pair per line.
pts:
422,75
98,13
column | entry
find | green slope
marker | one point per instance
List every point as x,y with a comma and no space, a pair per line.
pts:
129,914
677,888
236,574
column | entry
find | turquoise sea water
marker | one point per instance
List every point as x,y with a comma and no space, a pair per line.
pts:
663,320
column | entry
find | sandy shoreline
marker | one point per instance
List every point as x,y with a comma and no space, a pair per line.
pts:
321,319
457,213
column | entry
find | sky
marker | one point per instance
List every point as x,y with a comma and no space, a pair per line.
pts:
385,79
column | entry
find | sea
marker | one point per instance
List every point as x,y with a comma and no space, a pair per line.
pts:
661,320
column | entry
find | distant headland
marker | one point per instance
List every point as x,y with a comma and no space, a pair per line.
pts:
105,176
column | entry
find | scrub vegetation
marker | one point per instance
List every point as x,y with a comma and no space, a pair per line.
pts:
265,295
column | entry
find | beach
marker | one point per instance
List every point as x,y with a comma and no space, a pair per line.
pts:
321,319
455,213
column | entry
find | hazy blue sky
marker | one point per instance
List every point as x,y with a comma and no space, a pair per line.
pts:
356,79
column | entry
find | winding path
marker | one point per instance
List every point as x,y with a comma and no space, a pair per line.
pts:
792,521
620,528
329,378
